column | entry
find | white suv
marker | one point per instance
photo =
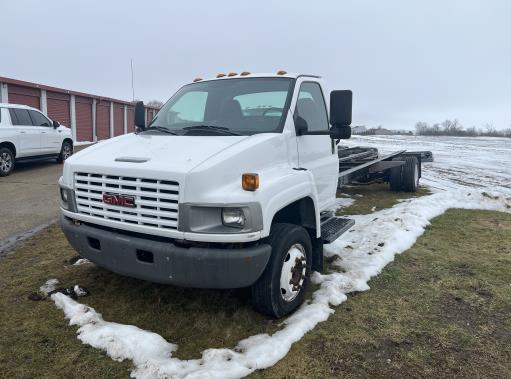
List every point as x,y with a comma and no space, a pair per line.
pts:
26,133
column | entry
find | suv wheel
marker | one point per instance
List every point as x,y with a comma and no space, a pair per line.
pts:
281,288
6,161
65,152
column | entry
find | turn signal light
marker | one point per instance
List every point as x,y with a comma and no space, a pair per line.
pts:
281,72
250,182
220,75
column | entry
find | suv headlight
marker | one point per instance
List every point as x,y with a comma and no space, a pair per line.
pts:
234,217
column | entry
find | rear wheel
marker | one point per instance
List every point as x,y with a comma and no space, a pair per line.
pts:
281,288
396,178
65,152
6,161
411,174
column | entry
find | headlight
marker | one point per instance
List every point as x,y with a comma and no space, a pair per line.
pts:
63,195
67,199
234,217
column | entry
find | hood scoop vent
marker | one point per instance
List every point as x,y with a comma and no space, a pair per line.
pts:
132,159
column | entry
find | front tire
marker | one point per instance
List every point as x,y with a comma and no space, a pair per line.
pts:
6,161
65,152
281,288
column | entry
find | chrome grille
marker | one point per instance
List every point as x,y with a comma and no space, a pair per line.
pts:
156,201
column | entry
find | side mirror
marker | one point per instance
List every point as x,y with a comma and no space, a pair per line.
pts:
341,102
56,124
340,132
140,115
301,126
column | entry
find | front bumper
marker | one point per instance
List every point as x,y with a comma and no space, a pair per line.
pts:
164,262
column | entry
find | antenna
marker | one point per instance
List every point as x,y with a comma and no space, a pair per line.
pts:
132,85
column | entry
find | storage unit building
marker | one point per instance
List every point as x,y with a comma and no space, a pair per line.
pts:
91,117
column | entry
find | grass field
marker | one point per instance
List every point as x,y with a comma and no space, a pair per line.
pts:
441,309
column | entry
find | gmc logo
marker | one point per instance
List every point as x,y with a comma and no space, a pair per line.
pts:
119,200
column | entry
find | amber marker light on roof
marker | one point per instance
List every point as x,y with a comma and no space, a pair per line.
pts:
220,75
250,182
197,80
245,73
281,72
232,74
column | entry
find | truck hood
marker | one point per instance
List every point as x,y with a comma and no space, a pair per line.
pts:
177,154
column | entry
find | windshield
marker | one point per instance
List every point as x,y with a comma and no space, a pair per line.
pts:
241,106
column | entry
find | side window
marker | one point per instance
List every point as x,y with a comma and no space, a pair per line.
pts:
38,119
311,106
22,117
14,119
189,108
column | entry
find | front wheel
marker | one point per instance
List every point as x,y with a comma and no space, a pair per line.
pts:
65,152
6,161
281,288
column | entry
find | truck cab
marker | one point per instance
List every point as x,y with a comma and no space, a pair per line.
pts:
231,185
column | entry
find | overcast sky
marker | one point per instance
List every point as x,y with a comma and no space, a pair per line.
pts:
404,60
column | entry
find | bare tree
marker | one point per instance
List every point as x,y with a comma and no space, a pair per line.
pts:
154,104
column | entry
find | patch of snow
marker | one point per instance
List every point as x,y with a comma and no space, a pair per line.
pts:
81,261
358,255
79,291
83,143
344,202
49,286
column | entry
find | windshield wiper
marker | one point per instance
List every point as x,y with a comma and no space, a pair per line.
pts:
221,129
161,129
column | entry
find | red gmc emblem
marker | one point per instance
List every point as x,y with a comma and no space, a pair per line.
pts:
119,200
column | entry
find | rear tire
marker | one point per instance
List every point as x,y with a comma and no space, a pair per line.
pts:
6,161
396,178
65,152
411,174
281,288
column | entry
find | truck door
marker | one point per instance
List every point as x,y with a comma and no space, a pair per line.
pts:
316,152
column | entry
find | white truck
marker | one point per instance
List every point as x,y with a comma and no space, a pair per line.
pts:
231,185
26,134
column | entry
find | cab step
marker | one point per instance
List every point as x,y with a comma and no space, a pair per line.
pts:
333,227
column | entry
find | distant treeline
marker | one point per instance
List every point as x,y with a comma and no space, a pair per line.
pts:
454,128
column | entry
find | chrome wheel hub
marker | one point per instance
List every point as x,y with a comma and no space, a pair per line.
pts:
293,272
66,152
5,162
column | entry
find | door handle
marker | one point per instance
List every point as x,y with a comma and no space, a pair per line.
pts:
22,132
44,132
